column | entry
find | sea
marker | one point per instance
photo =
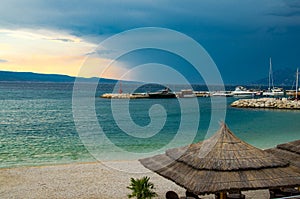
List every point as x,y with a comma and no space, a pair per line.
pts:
45,123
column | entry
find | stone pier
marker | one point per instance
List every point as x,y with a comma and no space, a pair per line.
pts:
124,96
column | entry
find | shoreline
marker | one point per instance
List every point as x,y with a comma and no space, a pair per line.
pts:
85,180
78,180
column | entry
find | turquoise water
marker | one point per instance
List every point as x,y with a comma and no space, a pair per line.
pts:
37,125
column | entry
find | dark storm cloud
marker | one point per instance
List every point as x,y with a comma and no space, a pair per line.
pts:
94,17
63,40
106,17
3,61
287,14
239,35
288,9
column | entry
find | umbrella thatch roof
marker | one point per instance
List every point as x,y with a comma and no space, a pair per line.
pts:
223,163
289,152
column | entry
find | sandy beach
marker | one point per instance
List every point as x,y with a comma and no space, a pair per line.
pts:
85,180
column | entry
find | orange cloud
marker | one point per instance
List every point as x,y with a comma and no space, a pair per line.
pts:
49,52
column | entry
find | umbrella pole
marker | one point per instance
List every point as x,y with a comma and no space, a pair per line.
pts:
223,195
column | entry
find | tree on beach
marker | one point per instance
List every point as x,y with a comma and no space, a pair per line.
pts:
141,188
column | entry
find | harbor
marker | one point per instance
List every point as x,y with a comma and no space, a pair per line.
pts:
246,98
239,92
257,94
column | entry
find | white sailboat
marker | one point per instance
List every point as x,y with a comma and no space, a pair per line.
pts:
272,91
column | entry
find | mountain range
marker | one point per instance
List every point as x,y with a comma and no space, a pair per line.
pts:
36,77
282,77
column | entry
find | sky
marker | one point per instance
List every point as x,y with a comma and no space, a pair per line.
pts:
58,37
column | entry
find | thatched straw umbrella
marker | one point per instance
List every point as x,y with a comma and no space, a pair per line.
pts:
289,152
223,163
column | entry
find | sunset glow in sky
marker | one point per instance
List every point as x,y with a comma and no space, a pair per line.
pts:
42,51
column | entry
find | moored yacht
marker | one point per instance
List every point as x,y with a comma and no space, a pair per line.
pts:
165,93
274,92
241,91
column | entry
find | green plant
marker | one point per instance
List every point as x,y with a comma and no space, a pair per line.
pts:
141,188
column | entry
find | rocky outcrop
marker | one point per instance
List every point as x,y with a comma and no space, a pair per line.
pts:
283,103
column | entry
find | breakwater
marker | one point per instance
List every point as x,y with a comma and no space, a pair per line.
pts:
272,103
146,95
124,95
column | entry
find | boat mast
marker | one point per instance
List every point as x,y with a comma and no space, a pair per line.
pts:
270,73
297,74
271,76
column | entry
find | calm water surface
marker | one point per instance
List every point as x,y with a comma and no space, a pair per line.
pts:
37,125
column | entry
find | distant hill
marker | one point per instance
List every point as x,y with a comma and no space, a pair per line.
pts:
282,77
36,77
